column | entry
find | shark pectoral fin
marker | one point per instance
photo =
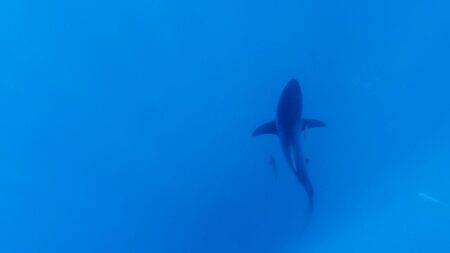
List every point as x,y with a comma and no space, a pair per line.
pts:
267,128
311,123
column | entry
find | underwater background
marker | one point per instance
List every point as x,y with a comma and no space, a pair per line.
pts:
125,126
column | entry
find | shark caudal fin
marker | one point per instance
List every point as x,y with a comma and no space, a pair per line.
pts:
307,186
311,123
267,128
303,178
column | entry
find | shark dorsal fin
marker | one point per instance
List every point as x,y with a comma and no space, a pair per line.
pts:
267,128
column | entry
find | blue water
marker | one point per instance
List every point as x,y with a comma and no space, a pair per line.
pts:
125,126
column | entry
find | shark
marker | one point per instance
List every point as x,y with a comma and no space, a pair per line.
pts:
288,126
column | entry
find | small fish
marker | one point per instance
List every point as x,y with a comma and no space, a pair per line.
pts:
273,164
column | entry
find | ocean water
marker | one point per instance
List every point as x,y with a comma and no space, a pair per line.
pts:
125,126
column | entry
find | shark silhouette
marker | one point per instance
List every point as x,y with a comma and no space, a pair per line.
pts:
288,126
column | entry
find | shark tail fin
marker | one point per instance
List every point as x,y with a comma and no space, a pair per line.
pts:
304,180
306,183
311,123
267,128
306,221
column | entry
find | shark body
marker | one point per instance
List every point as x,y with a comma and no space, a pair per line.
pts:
288,126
